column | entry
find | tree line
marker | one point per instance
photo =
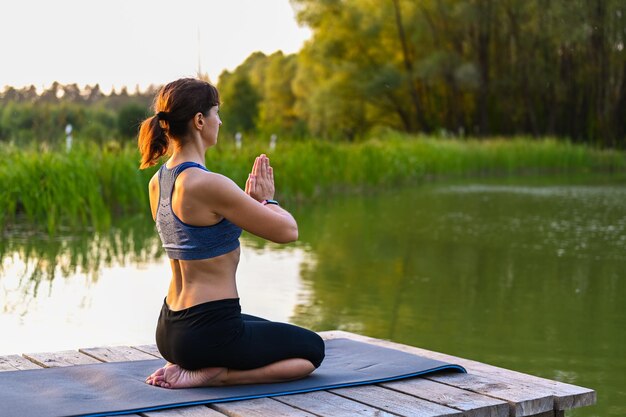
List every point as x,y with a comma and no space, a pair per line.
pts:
452,67
463,67
27,116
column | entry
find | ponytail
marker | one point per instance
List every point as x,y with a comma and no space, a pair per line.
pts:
153,142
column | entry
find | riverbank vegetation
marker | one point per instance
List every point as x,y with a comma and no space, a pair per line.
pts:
92,185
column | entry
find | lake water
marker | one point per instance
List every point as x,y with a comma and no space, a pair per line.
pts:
528,274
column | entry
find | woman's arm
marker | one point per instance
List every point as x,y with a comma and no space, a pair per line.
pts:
245,208
153,192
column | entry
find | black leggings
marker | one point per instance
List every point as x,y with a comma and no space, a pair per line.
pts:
216,334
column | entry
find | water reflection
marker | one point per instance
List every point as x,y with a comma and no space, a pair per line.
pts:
529,278
36,257
107,289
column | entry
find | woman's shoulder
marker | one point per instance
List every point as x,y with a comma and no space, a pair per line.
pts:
197,179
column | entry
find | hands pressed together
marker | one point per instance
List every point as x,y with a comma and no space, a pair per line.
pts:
260,183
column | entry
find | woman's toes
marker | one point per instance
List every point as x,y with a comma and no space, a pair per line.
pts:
156,376
162,384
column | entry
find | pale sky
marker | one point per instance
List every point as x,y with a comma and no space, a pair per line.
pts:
137,42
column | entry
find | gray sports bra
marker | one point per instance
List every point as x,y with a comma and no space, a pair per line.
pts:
184,241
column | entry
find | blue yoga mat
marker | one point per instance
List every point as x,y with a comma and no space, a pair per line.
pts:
118,387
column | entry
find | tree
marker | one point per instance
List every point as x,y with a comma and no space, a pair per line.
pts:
276,108
129,118
240,102
489,67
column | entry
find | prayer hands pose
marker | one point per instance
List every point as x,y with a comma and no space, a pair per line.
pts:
260,183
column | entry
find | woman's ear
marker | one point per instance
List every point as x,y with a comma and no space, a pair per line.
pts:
198,121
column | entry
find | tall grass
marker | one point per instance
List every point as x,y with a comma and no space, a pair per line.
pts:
83,188
91,185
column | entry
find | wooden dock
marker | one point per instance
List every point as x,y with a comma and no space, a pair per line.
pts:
485,391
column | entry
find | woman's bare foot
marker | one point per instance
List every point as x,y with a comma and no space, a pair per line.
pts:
173,376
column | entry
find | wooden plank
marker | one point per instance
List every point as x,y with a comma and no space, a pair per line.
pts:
151,349
566,396
472,404
395,402
116,353
259,407
522,400
322,403
16,363
58,359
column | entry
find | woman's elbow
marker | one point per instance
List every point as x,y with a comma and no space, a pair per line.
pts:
289,235
294,234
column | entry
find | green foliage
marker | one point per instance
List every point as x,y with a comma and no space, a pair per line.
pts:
27,117
241,103
129,118
92,184
276,109
22,123
258,97
82,188
480,67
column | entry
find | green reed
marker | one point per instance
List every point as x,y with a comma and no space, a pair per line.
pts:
92,185
82,188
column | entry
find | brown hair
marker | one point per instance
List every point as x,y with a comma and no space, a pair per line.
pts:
174,106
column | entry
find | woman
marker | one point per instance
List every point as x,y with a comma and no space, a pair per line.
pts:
199,216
